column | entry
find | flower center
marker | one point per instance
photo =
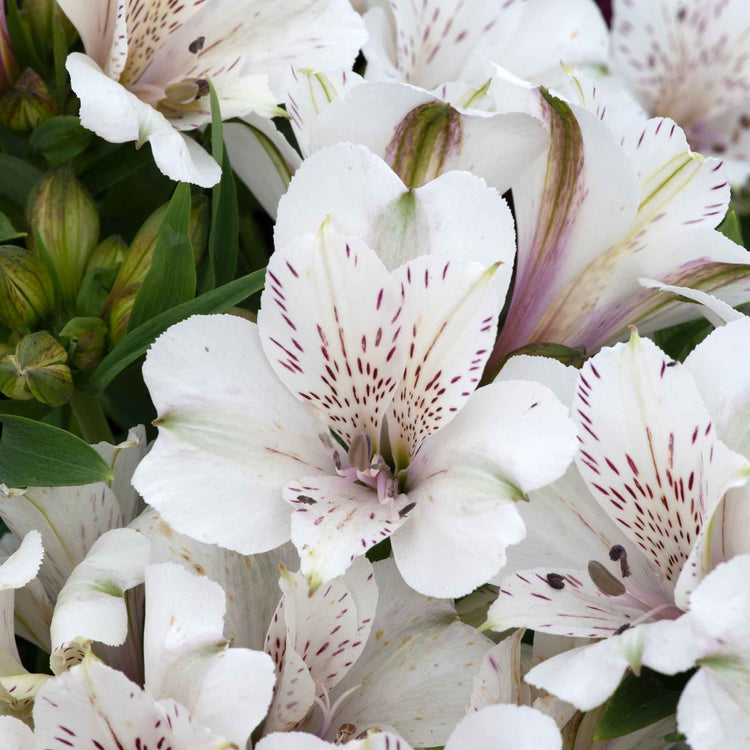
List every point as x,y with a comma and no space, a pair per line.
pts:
367,467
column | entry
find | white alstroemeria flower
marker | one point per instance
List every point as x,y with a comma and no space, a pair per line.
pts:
387,361
625,537
186,657
145,73
420,134
413,673
70,520
714,708
690,61
491,728
594,216
431,43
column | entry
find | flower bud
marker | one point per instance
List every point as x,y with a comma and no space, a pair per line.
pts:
26,293
138,261
63,212
429,135
27,104
87,337
37,369
108,253
9,69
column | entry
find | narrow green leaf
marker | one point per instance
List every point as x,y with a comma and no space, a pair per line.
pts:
18,178
137,341
7,230
731,227
170,280
573,356
92,296
217,129
224,239
60,138
59,54
37,454
637,703
20,38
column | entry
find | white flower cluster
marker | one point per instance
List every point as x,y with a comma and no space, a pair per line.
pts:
404,395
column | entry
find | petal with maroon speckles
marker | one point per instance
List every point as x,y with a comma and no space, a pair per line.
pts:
344,521
577,608
331,325
449,325
650,455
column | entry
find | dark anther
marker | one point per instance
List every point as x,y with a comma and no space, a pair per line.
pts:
604,580
681,14
618,553
671,364
744,121
197,44
360,452
555,580
203,87
306,499
622,629
406,510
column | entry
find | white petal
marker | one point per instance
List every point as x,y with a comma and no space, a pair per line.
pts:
227,427
417,668
99,706
330,324
188,659
559,378
15,735
96,25
499,677
465,482
262,158
716,311
92,603
335,521
450,321
650,455
292,741
506,728
118,116
455,215
250,581
391,120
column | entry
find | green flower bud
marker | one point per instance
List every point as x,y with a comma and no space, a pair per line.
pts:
26,294
27,104
63,213
138,261
37,369
108,253
87,337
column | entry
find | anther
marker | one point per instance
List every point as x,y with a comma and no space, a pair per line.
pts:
604,580
197,44
622,629
618,553
555,580
360,452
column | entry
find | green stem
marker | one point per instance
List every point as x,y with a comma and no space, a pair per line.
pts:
89,417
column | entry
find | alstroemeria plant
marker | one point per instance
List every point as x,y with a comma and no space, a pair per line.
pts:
632,531
349,411
144,76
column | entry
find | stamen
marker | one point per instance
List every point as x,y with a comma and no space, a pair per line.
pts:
604,580
555,580
360,452
618,553
622,628
329,711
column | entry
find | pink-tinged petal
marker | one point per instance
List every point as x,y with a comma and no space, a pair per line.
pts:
506,728
499,676
467,479
650,455
416,671
335,521
331,326
450,321
687,61
98,23
229,428
726,136
715,310
421,137
559,600
95,706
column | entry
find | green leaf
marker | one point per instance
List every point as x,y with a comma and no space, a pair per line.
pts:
217,129
136,342
60,138
7,230
730,227
567,355
224,239
679,340
92,296
59,54
21,41
170,280
637,703
37,454
18,178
